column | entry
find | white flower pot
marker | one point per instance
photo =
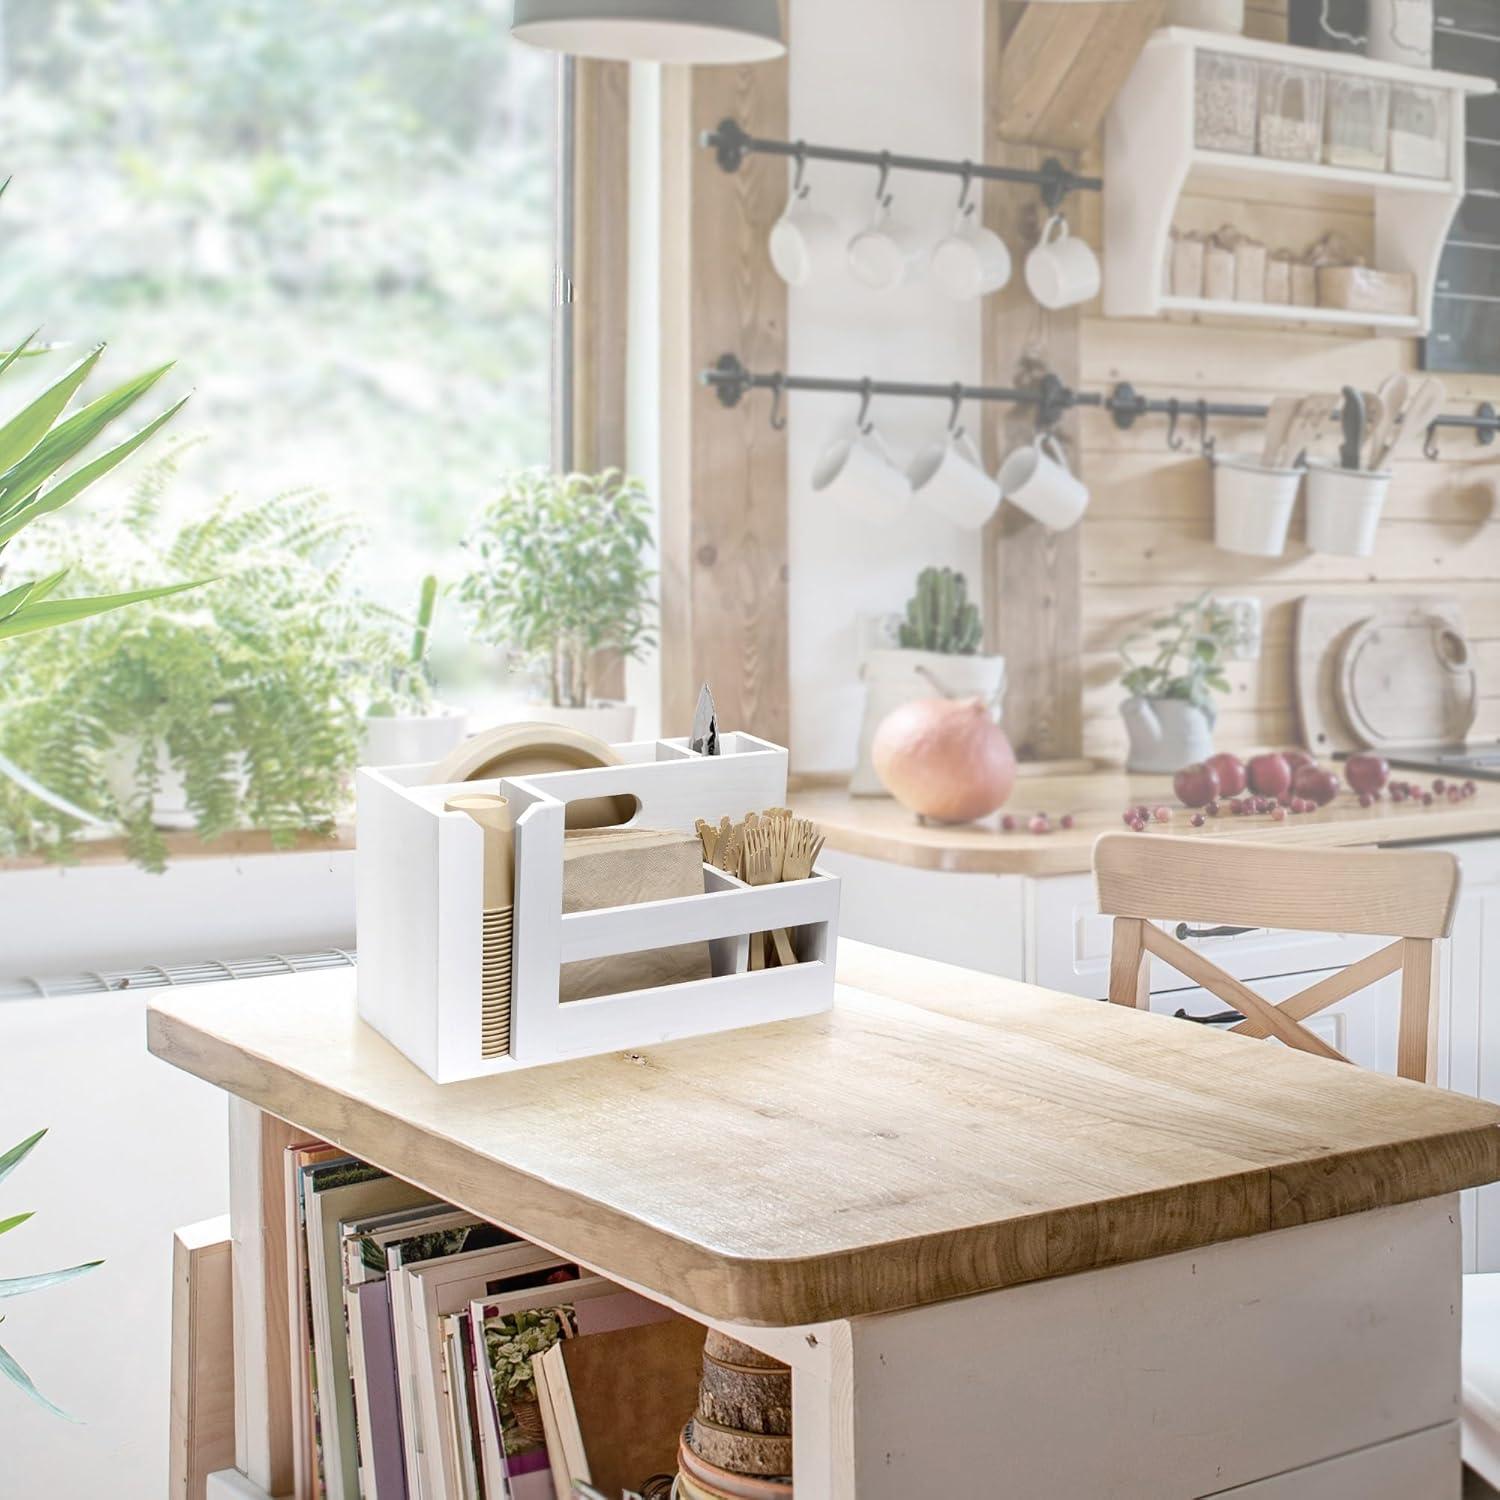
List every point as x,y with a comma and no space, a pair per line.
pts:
894,676
170,809
1343,509
1166,734
411,739
1253,506
614,723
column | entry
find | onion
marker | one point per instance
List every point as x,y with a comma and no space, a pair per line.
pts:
944,758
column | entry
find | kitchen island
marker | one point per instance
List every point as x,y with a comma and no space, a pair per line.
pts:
1022,905
1010,1244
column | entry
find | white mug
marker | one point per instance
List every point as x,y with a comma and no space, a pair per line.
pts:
1036,477
970,261
887,252
1061,271
950,476
857,471
804,241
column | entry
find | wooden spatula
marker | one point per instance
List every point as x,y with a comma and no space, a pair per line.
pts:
1279,420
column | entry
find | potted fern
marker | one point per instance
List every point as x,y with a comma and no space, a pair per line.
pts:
936,653
236,707
560,574
1170,713
404,724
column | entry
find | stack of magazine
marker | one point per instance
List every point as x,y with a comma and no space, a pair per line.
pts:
435,1357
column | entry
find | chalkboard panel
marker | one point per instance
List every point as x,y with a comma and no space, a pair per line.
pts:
1466,309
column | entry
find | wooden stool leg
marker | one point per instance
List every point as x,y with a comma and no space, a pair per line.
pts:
1130,964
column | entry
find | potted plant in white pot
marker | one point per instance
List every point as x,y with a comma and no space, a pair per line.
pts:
404,724
937,655
1170,713
560,574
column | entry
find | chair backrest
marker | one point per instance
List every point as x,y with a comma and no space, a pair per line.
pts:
1408,896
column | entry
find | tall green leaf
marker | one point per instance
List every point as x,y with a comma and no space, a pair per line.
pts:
51,612
17,1154
15,1221
19,1378
18,1286
21,480
14,600
33,422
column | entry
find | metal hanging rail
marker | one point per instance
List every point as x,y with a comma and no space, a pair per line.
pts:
731,381
731,145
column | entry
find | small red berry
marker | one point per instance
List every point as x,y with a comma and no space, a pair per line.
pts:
1008,824
1366,800
1278,815
1439,786
1039,824
1471,787
1066,821
1212,809
1426,799
1163,815
1197,820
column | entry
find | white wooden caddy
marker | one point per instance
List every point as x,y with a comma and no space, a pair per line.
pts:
419,912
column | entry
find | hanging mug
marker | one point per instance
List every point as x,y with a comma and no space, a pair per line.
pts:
886,253
950,476
857,471
1036,477
804,242
1061,271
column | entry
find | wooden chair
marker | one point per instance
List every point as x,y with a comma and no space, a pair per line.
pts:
1409,896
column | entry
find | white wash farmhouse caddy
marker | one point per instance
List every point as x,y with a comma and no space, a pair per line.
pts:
420,913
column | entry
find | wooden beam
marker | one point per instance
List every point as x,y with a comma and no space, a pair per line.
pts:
1033,577
601,288
1063,66
724,472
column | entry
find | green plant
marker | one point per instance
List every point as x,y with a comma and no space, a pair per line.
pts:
408,688
34,445
940,616
15,1286
1187,660
251,692
561,573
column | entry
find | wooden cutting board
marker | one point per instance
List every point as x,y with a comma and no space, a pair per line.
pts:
1380,674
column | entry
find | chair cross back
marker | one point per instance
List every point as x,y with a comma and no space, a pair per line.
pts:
1408,896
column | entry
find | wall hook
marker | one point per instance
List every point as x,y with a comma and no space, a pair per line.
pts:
800,156
1429,443
966,183
861,422
778,390
1174,438
885,177
1205,442
956,396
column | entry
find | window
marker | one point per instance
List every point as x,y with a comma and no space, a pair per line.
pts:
337,218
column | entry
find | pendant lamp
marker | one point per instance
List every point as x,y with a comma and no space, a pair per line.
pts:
667,31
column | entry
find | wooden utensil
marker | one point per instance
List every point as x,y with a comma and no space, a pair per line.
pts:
762,866
1278,423
1352,420
1374,420
1426,403
1392,393
708,837
1314,412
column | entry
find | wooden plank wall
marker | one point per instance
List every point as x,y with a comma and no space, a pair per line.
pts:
1147,538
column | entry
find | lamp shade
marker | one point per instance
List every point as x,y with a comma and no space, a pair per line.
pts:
668,31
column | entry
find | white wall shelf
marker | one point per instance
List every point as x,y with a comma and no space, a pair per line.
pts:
1151,162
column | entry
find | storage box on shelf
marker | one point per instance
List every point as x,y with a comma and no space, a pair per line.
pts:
420,913
1193,116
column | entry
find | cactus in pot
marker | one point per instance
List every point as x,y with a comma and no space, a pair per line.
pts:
937,655
940,616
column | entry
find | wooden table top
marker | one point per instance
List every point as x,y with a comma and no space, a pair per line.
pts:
939,1132
880,828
